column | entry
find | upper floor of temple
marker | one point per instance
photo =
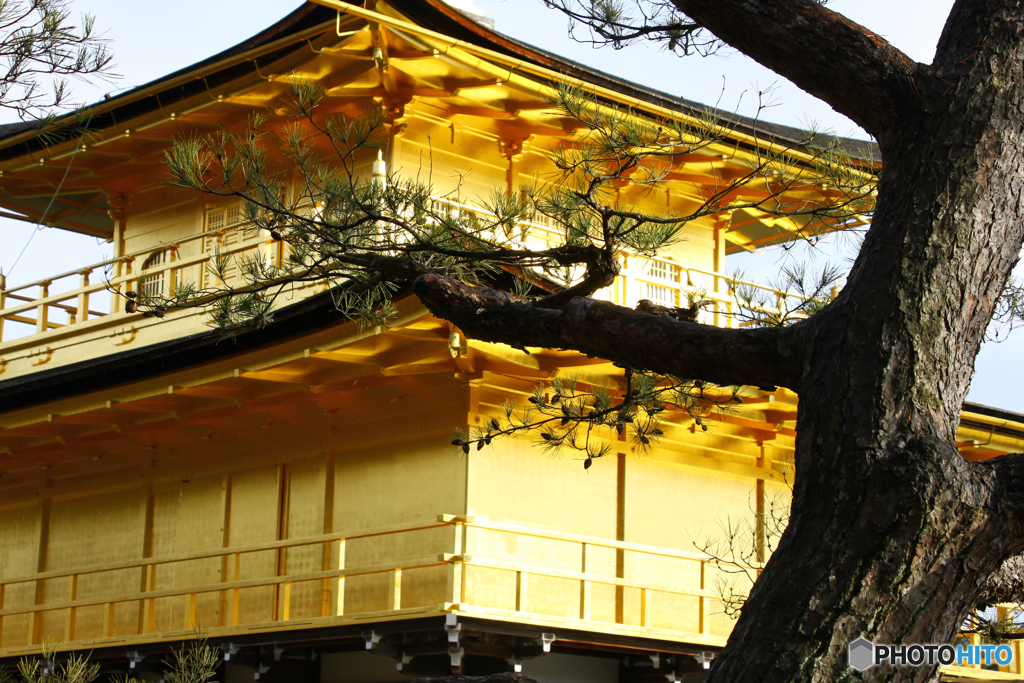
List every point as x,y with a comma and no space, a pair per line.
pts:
466,109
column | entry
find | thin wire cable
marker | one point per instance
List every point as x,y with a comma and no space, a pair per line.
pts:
39,223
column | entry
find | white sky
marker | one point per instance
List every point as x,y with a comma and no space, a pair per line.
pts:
150,40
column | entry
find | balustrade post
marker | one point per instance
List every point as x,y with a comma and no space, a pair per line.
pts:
339,583
172,278
585,587
108,620
456,581
236,592
643,607
147,606
42,310
522,591
72,615
395,589
702,622
3,590
83,299
286,601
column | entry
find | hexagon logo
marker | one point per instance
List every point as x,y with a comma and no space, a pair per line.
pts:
862,654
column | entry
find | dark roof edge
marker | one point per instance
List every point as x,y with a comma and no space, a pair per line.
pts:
989,411
126,367
305,16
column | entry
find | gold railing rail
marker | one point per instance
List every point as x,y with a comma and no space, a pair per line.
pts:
462,578
119,274
40,309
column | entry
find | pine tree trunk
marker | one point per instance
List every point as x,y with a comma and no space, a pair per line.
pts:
893,535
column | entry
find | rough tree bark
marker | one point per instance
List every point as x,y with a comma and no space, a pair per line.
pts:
893,535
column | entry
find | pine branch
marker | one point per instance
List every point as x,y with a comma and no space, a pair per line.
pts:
659,343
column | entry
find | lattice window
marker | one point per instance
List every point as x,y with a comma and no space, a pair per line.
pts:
226,226
660,270
152,286
659,294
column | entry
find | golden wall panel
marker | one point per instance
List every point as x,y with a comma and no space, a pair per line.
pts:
688,504
188,517
673,612
254,519
603,603
488,587
95,530
554,596
549,492
418,481
426,587
366,593
659,569
20,530
306,490
163,216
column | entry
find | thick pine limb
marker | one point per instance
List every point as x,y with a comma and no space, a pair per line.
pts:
837,60
760,357
1006,585
1005,479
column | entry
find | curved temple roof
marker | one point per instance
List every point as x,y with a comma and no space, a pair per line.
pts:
32,170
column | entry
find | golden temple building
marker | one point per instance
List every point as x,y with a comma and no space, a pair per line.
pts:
292,493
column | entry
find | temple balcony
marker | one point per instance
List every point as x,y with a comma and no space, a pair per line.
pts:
80,314
452,565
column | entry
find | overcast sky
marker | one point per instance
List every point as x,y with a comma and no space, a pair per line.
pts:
150,40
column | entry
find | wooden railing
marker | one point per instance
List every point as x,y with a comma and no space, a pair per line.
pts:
466,579
622,574
94,295
469,570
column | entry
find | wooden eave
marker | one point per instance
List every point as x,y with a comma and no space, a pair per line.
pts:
134,128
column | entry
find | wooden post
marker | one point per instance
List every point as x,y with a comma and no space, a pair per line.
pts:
72,615
108,620
456,582
643,607
286,601
3,595
42,310
83,299
702,623
236,592
522,591
719,267
759,511
41,565
283,506
585,587
149,605
395,589
191,611
332,598
339,586
172,277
